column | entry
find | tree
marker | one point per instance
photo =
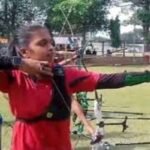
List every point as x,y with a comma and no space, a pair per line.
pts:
115,32
83,16
13,13
143,14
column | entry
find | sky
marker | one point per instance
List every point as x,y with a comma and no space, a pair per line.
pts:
117,11
114,11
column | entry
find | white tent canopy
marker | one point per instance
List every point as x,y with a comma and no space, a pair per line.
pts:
62,40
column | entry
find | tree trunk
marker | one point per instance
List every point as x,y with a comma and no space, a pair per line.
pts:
146,29
84,38
13,16
6,18
146,38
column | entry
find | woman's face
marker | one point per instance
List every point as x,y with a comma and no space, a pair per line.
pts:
41,46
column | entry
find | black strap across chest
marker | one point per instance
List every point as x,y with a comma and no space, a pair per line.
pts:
60,106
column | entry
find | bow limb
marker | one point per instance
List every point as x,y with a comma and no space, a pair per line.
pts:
66,20
97,106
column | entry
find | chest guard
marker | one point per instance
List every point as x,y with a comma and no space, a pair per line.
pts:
60,106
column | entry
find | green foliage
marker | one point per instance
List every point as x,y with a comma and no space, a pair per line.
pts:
115,32
13,13
143,10
83,15
143,14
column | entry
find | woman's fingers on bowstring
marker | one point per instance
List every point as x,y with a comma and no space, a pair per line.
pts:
35,67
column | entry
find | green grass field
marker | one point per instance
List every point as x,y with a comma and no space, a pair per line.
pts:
129,99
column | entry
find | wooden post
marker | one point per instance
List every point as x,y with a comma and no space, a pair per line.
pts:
103,44
124,47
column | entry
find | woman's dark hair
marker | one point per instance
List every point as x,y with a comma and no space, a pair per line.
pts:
22,37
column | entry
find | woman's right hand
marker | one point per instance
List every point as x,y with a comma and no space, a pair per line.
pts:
36,67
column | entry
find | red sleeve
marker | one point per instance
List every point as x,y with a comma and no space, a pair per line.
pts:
4,82
80,80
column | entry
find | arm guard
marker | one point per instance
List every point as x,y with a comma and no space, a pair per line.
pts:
108,81
9,63
136,78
